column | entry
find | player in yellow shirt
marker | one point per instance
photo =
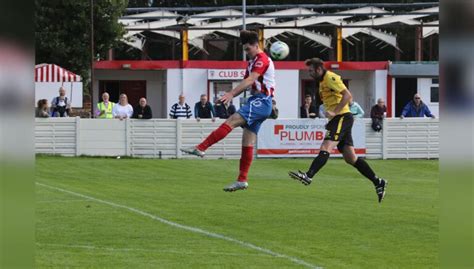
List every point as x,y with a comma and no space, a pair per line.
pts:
335,97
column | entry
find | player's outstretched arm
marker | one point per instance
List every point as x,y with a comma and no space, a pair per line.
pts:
244,84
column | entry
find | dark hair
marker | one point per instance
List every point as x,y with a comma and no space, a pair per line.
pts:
248,37
315,62
306,96
42,102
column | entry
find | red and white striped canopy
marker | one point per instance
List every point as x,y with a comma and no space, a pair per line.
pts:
54,73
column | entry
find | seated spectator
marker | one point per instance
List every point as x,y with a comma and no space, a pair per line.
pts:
322,112
377,113
60,105
308,109
204,109
274,114
180,109
122,110
104,108
416,108
142,111
356,109
42,110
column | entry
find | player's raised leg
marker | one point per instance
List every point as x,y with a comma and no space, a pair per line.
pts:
248,141
217,135
260,78
316,165
363,167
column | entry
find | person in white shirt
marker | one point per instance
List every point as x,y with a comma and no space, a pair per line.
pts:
122,110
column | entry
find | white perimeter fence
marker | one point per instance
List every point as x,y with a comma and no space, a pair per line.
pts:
409,138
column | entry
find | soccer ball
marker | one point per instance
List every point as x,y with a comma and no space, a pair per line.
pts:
279,50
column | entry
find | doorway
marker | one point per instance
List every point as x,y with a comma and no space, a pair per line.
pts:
405,89
218,88
134,89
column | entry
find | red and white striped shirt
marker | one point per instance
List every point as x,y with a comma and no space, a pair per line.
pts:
263,65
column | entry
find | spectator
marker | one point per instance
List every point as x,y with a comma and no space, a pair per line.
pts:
377,113
274,114
180,109
308,109
231,108
322,112
104,108
60,105
42,110
356,109
416,108
221,109
204,109
122,110
142,111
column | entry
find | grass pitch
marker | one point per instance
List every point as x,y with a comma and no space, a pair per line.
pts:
136,213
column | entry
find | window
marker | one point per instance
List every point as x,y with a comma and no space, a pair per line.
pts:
434,95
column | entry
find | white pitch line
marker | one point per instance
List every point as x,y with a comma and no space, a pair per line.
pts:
113,249
61,201
187,228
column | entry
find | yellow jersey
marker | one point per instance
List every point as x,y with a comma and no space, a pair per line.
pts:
330,89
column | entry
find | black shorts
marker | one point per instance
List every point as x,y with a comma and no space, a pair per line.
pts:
339,129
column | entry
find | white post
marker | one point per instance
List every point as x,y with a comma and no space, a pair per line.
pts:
78,135
178,137
127,137
385,125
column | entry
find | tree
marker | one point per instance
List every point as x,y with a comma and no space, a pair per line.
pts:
63,32
139,3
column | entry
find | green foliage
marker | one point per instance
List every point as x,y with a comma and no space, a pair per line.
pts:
63,31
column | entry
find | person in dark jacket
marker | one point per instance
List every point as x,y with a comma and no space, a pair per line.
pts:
308,109
142,111
377,113
204,109
274,114
223,111
231,109
416,108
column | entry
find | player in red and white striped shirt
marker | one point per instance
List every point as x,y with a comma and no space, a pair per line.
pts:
260,76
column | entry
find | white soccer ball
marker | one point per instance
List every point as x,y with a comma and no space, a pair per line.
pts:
279,50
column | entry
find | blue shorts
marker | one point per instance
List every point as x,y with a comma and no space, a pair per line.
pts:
256,111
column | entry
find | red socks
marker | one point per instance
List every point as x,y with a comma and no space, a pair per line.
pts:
245,162
215,137
247,152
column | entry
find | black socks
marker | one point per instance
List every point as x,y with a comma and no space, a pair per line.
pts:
318,163
361,165
365,170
